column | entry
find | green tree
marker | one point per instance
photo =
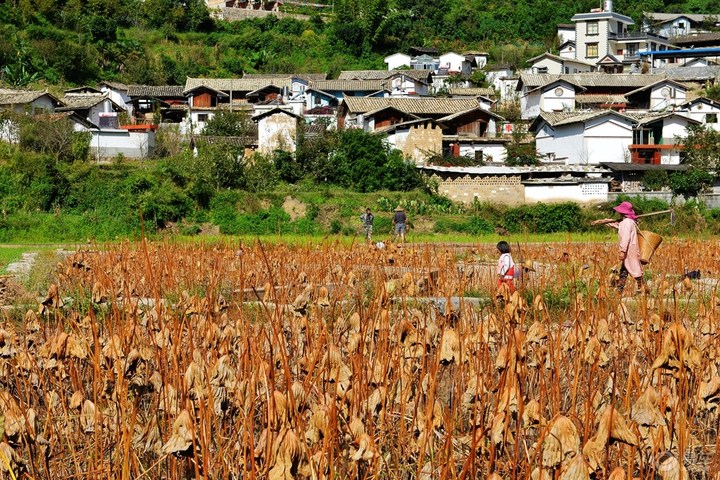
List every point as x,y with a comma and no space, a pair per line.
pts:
690,182
227,123
701,148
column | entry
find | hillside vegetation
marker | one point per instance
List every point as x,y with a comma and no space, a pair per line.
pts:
73,42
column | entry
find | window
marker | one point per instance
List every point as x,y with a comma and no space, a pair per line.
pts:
542,70
592,28
632,49
202,117
681,26
591,50
711,118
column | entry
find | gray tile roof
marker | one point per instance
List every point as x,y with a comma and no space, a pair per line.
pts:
591,80
236,84
411,105
565,118
697,38
272,76
664,17
471,92
350,85
691,74
158,91
420,75
598,99
19,97
81,101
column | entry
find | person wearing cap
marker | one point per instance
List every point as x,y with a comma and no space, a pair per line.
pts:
629,247
399,222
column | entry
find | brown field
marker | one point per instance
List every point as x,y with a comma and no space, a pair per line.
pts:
278,362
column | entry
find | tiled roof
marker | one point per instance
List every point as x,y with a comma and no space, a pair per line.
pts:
565,118
471,92
19,97
697,38
560,59
411,105
591,80
304,76
691,74
235,84
599,99
80,101
158,91
421,75
461,113
350,85
664,17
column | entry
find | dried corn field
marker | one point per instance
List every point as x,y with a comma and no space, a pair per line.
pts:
280,362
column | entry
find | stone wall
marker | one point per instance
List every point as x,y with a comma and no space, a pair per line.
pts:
505,189
234,14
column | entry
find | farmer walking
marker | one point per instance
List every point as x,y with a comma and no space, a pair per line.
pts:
399,222
367,222
628,245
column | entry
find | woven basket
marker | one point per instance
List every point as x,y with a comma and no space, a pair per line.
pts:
648,242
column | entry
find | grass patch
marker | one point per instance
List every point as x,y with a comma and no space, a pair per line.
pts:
9,255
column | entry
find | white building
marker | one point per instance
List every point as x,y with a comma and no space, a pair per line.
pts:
554,64
397,61
702,110
591,138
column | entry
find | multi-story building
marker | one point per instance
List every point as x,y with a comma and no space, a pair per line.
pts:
602,38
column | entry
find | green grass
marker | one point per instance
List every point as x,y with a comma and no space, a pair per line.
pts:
9,255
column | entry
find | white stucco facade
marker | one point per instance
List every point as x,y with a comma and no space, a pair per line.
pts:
554,97
454,63
109,143
397,60
277,131
706,112
581,192
606,139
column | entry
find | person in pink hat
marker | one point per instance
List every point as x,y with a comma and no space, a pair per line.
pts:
629,248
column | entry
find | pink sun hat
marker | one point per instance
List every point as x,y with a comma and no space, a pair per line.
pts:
626,209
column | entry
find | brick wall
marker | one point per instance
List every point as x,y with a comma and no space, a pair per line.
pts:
505,189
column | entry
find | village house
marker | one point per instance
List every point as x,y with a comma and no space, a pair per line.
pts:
148,100
399,82
92,105
118,93
673,25
423,127
702,110
330,92
536,94
602,38
277,130
27,102
662,95
594,137
554,64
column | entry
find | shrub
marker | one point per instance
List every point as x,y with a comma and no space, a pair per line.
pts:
544,218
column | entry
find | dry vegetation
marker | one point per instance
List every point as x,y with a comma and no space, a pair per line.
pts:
280,362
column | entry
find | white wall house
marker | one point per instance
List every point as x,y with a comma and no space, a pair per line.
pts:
118,93
702,110
566,33
277,130
674,24
610,137
110,143
555,96
455,63
397,60
587,138
554,64
658,96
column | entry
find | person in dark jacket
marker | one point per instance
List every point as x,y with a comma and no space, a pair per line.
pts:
399,222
